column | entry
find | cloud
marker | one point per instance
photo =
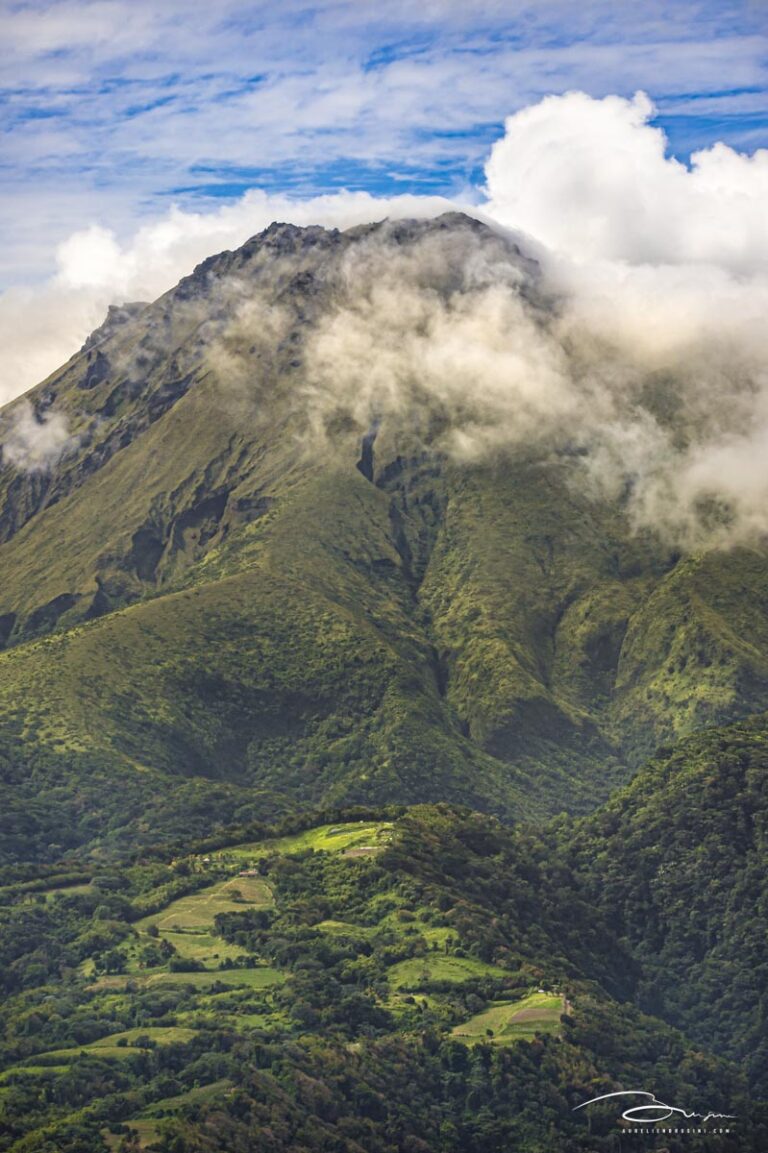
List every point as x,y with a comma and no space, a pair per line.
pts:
590,179
448,342
33,441
665,268
652,364
112,109
41,327
436,337
648,364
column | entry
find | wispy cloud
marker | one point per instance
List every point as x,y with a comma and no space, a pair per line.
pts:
110,106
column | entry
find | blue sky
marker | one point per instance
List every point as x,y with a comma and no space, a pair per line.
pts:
116,109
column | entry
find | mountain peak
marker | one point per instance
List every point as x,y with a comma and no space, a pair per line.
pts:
117,316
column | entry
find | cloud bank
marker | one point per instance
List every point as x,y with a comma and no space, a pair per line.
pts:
653,362
665,267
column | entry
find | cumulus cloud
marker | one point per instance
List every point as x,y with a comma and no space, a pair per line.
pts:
663,271
658,257
591,179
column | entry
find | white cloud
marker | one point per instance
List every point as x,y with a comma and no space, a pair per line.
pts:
41,327
665,267
590,178
663,258
663,275
33,442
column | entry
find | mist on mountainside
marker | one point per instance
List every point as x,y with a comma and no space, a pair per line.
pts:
477,352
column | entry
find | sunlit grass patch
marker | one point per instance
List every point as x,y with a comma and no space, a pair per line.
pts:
123,1044
144,1128
198,910
419,971
336,838
259,978
508,1021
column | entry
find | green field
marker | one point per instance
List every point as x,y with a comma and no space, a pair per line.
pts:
70,890
419,971
338,838
204,947
32,1070
197,910
145,1130
508,1021
345,929
145,1125
192,1097
109,1047
260,978
187,923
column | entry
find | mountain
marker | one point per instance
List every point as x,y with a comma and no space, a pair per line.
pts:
370,777
250,572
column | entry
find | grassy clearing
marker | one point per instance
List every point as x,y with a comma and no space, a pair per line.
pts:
32,1071
345,929
168,1035
260,978
118,1045
191,945
192,1097
268,1021
419,971
399,1003
197,911
339,838
439,935
70,890
508,1021
203,947
145,1130
145,1125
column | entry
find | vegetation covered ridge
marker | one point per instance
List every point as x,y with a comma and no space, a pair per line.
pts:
425,974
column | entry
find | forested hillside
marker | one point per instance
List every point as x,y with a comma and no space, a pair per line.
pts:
420,980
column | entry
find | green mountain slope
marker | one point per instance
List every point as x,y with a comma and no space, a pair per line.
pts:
319,988
214,609
677,865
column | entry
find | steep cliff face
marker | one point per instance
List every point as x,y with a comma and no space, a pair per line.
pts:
256,567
